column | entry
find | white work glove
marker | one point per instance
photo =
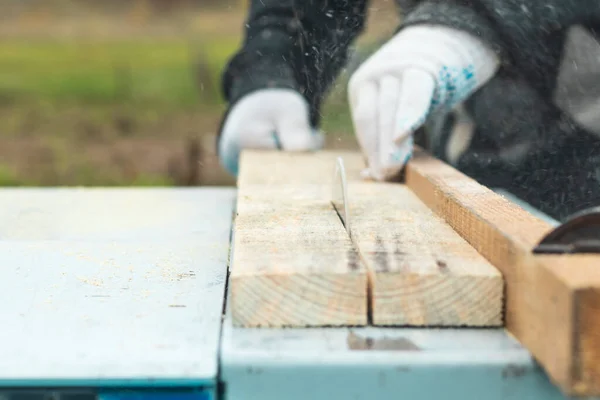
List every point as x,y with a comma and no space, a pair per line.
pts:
267,119
423,69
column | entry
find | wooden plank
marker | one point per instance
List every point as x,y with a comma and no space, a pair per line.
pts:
270,168
551,300
587,344
288,238
293,264
424,273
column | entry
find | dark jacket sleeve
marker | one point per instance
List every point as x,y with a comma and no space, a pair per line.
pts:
523,142
527,35
295,44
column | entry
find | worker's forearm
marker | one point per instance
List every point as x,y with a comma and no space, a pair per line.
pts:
301,45
267,51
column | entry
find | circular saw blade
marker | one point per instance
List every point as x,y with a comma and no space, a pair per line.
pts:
340,194
579,234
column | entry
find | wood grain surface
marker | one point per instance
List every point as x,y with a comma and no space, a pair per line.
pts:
407,267
552,301
293,264
424,273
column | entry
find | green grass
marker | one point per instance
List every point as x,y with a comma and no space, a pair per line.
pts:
67,95
144,76
156,72
8,177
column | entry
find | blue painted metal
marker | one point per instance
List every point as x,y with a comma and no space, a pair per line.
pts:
53,393
166,383
119,394
376,363
112,287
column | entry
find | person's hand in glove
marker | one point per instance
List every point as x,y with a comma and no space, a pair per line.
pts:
423,69
267,119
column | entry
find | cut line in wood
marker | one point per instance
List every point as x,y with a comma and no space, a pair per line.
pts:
293,264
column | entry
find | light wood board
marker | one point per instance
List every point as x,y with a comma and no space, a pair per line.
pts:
294,265
271,168
424,273
552,301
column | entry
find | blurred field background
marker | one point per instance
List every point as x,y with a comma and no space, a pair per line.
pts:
126,92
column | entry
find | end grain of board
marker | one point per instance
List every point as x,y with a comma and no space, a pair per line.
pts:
293,264
424,273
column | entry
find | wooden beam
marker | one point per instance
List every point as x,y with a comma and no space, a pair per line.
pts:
424,273
551,300
293,263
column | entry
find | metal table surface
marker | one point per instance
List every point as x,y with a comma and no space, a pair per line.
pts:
112,287
385,363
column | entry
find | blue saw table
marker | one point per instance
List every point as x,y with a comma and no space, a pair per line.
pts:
118,294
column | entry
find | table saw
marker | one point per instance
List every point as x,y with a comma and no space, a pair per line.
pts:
120,294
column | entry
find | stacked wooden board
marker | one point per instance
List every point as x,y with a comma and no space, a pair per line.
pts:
436,250
295,265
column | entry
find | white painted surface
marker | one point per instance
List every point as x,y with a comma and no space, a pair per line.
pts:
121,285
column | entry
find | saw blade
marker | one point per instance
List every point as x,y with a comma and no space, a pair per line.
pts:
340,195
579,234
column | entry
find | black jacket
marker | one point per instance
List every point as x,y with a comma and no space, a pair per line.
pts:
525,140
